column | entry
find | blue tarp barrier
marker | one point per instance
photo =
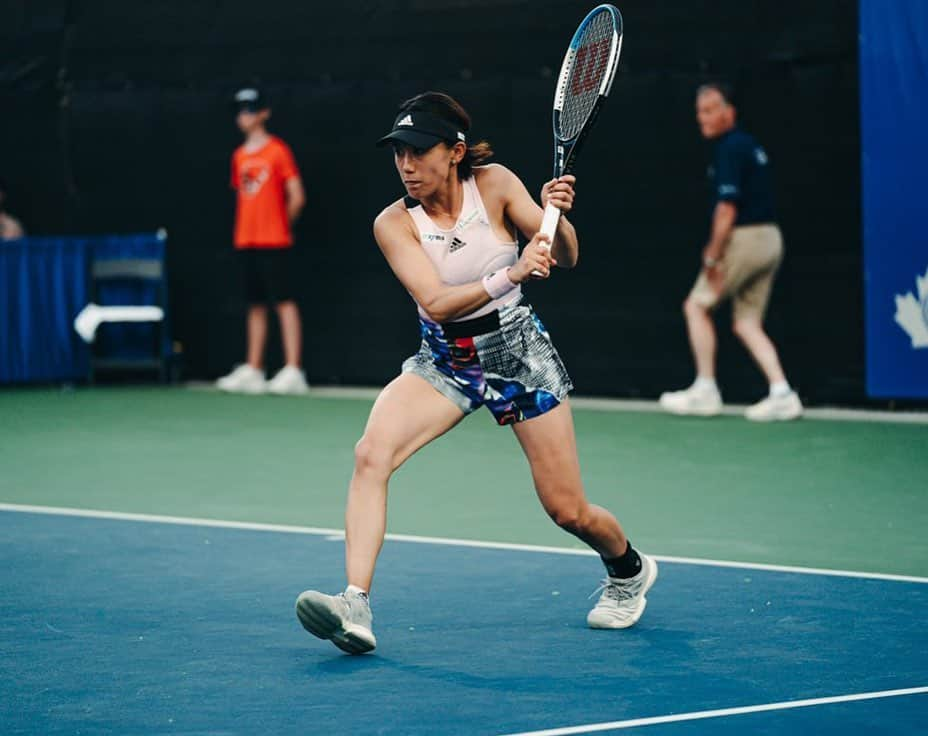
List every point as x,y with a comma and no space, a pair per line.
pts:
893,125
44,283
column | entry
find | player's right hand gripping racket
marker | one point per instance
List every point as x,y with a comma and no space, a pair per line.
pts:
582,87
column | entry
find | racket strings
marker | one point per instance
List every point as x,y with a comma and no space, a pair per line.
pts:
590,66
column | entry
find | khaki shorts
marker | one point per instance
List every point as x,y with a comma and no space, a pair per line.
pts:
752,257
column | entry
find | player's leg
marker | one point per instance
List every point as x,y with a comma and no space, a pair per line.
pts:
702,397
549,444
408,414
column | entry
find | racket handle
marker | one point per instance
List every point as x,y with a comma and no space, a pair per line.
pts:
549,226
549,223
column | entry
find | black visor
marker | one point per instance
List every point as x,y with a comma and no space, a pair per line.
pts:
422,130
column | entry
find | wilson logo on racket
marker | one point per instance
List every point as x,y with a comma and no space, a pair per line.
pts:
589,66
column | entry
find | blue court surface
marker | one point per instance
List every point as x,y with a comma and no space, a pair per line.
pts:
111,626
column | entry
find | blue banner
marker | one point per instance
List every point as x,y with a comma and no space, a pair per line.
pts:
45,283
894,152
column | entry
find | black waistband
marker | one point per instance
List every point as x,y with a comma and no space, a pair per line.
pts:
472,327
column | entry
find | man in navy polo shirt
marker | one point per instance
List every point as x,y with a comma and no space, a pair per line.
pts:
740,262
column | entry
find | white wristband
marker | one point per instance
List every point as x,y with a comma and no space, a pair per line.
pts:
497,283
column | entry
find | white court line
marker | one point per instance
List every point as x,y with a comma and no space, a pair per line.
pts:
596,403
338,534
699,715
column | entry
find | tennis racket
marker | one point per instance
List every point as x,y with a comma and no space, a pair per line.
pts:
582,87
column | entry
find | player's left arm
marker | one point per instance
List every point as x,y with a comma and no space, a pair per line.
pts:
526,215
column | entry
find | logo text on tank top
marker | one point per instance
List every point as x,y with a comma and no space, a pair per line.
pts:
467,220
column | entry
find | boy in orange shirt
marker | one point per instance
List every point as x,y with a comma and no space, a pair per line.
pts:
270,198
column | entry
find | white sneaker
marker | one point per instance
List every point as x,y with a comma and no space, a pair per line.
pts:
623,600
288,380
345,619
243,380
702,402
775,408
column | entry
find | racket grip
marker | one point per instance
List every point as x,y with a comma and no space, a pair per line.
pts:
549,223
549,226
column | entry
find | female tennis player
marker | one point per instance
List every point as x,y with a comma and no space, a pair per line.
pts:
452,243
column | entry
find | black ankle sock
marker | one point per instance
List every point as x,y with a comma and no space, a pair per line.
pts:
626,566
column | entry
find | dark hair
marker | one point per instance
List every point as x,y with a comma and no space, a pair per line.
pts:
447,108
721,87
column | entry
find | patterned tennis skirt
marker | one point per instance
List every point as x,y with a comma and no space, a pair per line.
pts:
504,360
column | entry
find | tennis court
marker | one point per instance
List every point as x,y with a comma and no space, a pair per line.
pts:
225,226
153,544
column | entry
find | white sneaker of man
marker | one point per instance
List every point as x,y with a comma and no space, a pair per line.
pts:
775,409
702,401
623,600
288,380
243,380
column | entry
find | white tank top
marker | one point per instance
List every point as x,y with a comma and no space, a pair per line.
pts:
468,251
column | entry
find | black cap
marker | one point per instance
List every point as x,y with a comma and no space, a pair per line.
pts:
250,99
422,130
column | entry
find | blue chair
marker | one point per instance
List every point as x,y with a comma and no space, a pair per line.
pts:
130,346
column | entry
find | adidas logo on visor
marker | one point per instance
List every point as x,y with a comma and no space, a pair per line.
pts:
405,121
